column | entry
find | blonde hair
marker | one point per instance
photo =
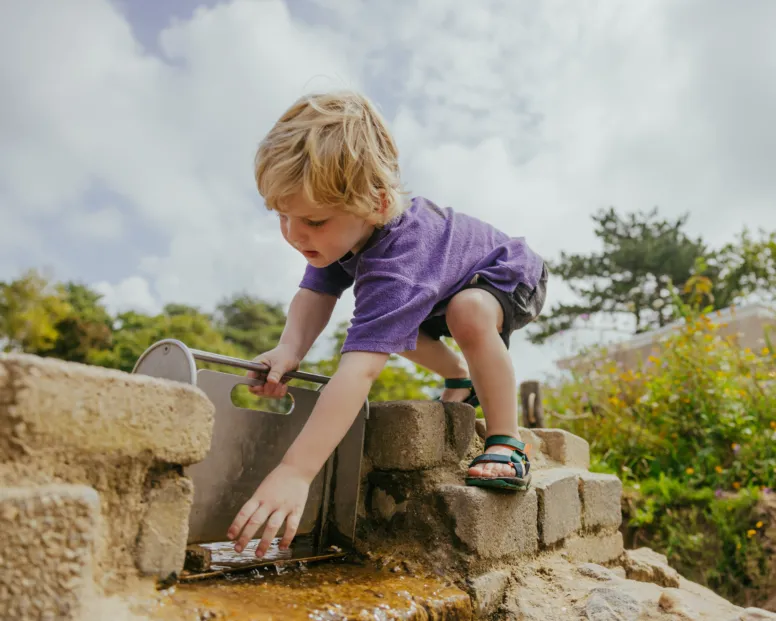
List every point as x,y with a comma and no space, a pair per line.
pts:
337,149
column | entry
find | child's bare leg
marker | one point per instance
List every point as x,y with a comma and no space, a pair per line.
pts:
438,358
475,318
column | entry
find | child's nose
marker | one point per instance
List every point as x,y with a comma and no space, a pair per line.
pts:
294,231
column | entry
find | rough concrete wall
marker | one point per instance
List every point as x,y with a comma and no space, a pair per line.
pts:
47,537
124,436
416,505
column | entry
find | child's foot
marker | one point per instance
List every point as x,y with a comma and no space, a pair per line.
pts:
455,394
459,389
491,469
503,465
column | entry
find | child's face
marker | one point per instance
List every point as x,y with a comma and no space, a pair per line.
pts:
321,234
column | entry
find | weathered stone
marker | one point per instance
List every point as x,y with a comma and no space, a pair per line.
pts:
609,604
600,549
198,558
559,507
647,565
460,419
488,590
385,505
534,447
597,572
601,495
492,524
565,448
405,435
93,410
670,601
161,546
47,537
417,435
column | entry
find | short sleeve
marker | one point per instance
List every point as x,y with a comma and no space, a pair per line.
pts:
332,279
389,310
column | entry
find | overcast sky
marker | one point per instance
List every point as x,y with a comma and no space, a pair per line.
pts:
128,129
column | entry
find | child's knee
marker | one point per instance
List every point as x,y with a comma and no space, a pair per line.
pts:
473,313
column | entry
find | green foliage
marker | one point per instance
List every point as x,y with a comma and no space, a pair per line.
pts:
710,537
30,309
641,254
692,433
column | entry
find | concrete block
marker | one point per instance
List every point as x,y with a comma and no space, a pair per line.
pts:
492,524
565,448
47,539
92,410
460,419
601,497
600,549
417,435
488,591
161,545
559,507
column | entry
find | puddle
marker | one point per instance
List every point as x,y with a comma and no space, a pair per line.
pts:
332,590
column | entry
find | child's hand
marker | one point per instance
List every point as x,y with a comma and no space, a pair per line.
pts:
281,497
280,360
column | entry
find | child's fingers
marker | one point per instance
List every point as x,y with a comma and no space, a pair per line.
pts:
292,525
242,517
253,525
270,530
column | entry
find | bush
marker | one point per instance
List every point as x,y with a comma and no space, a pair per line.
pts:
692,433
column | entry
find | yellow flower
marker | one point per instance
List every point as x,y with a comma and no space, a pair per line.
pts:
759,524
765,351
690,471
773,424
718,469
751,533
736,485
738,546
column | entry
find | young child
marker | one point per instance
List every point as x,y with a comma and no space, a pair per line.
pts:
329,169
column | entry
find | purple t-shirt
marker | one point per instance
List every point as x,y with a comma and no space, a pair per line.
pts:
413,263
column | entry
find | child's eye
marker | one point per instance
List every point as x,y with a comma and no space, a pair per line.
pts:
315,223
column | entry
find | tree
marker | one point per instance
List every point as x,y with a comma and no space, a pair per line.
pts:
251,324
30,309
642,254
86,328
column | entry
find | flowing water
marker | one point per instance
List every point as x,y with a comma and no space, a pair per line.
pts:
335,589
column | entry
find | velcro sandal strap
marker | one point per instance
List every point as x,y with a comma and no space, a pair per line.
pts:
492,458
506,440
460,382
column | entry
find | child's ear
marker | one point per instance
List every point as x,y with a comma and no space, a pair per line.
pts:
381,209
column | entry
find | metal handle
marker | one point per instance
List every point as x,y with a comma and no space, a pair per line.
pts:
205,356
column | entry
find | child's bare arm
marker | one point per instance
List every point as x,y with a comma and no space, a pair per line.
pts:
308,315
281,497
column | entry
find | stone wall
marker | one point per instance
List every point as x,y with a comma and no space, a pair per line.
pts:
415,503
91,490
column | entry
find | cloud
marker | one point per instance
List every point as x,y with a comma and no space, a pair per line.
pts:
133,293
529,115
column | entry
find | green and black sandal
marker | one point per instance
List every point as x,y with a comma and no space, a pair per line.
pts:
518,460
464,382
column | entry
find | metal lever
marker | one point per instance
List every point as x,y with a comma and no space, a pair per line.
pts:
205,356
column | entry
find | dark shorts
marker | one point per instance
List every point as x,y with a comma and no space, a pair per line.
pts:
520,308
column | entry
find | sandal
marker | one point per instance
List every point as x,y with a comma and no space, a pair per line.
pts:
518,460
472,399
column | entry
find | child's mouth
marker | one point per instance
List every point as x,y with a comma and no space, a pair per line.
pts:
310,254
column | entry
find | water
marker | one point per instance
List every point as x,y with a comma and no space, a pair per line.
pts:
327,591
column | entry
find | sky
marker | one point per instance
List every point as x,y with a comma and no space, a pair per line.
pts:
128,128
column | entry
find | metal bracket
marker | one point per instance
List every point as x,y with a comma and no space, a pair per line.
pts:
247,444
